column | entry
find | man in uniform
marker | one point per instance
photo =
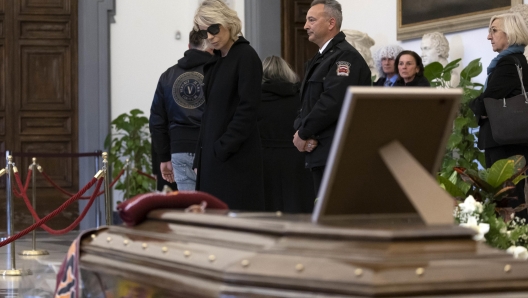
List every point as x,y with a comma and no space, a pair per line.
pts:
176,113
336,66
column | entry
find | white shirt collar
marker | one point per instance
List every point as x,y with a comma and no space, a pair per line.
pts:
321,50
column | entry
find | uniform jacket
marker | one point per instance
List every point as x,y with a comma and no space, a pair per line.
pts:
418,81
229,155
503,82
288,186
176,111
326,79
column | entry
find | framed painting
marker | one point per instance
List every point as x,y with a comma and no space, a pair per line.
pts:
417,17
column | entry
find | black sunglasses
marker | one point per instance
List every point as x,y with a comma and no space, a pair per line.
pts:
214,29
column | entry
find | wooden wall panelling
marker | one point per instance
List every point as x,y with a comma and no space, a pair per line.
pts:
56,27
296,48
45,77
39,44
44,6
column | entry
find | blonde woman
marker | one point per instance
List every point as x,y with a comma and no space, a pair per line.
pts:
229,153
288,186
508,35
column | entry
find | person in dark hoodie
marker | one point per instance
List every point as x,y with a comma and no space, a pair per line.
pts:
288,187
176,114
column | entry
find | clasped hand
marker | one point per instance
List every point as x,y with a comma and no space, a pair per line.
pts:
304,145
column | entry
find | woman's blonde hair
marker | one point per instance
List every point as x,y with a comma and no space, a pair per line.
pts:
514,27
217,12
276,69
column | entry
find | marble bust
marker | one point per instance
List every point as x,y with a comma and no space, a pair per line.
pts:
362,42
435,48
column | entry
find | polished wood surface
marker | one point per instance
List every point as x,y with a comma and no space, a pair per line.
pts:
270,255
38,98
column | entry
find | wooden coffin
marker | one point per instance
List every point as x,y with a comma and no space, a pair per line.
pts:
177,254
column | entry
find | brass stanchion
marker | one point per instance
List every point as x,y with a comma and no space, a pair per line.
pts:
97,201
127,178
10,169
108,200
34,251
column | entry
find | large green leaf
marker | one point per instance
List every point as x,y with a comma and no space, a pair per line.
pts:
460,122
451,188
471,176
473,69
500,171
433,71
454,140
518,179
518,162
452,65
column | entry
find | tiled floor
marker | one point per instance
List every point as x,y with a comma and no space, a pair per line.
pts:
41,282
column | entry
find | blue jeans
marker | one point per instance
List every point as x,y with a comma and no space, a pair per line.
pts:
184,174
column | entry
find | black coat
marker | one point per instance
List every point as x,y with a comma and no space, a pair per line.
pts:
380,82
418,81
229,155
503,82
288,186
323,91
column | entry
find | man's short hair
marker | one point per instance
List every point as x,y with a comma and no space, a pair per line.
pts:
333,9
195,41
439,42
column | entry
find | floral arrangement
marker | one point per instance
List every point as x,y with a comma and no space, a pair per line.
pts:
483,201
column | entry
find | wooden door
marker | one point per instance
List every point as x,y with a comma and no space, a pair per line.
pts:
38,99
296,48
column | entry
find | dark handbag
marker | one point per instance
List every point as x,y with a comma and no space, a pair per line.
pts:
509,116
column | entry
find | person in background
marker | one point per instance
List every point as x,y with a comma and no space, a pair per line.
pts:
288,187
229,152
176,113
508,35
336,66
384,58
410,70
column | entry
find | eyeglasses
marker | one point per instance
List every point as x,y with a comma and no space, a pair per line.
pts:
214,29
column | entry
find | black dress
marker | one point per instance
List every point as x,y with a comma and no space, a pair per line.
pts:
229,154
503,82
288,186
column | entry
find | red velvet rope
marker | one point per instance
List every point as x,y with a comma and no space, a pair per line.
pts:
62,207
81,198
54,213
16,193
146,175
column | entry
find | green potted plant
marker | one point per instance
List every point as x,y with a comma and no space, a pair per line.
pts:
486,201
130,140
461,150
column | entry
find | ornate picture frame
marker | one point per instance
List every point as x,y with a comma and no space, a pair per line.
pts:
417,17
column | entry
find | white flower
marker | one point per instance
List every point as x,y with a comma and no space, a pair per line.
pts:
470,205
518,252
480,228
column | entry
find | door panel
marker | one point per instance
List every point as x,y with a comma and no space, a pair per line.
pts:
45,28
46,77
49,7
296,48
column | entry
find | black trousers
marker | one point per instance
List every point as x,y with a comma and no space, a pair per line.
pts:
502,152
317,175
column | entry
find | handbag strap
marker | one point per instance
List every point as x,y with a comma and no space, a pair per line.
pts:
519,72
